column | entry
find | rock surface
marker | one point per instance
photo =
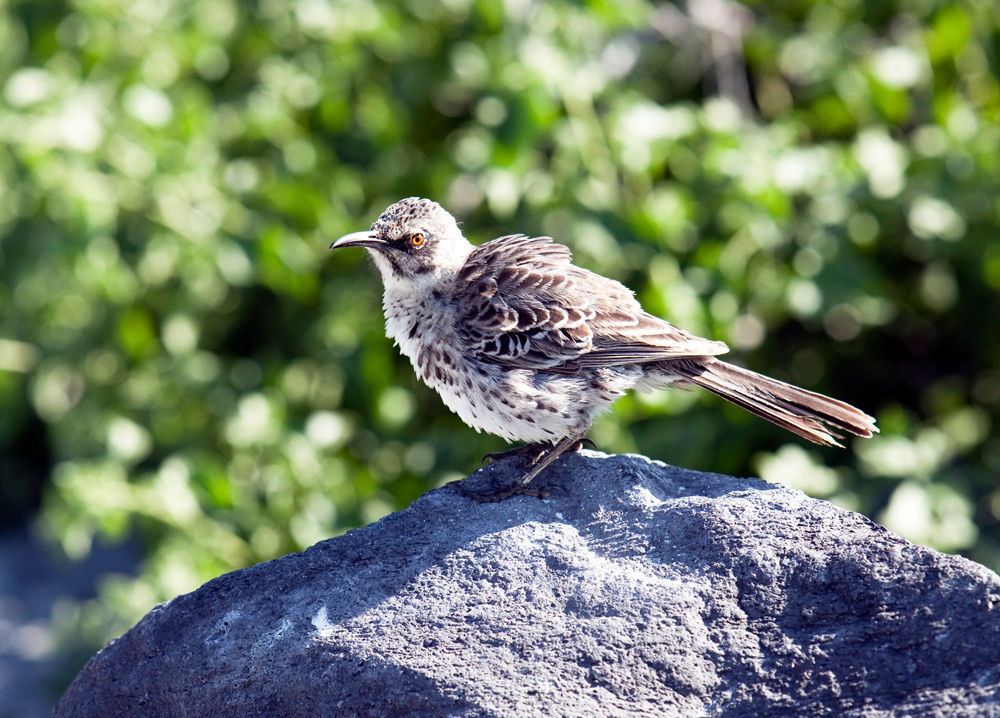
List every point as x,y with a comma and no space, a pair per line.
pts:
636,589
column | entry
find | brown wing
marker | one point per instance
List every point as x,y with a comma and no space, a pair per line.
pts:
526,306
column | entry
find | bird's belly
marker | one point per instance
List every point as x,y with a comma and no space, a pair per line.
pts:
516,404
519,404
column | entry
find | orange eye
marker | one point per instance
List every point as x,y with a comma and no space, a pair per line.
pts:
417,239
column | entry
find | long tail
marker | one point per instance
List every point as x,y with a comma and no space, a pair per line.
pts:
812,416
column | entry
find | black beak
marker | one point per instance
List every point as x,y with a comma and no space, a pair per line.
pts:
359,239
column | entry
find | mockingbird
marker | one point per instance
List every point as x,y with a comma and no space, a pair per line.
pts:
520,342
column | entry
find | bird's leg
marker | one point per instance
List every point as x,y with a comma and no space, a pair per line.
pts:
547,458
538,449
549,453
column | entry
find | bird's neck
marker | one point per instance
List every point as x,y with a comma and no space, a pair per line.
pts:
412,307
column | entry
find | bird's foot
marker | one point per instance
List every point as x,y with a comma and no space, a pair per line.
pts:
534,451
540,456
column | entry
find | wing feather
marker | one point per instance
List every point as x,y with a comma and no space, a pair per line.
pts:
526,306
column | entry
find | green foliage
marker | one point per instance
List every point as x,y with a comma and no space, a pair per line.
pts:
181,356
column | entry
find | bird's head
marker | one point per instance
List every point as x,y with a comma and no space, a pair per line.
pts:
413,241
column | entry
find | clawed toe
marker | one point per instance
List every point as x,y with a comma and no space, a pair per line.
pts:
537,449
540,456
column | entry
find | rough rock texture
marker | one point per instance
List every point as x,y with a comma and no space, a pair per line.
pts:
637,589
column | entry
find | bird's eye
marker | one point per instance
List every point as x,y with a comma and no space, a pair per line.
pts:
417,239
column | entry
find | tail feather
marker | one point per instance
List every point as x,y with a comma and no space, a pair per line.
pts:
812,416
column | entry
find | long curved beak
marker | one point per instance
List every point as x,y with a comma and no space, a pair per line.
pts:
358,239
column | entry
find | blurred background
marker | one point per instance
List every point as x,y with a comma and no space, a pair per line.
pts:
191,383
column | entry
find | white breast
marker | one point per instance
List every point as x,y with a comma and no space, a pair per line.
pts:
514,404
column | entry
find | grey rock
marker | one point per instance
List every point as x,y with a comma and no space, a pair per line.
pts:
636,589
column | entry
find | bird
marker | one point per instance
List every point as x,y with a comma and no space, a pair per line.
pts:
522,343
